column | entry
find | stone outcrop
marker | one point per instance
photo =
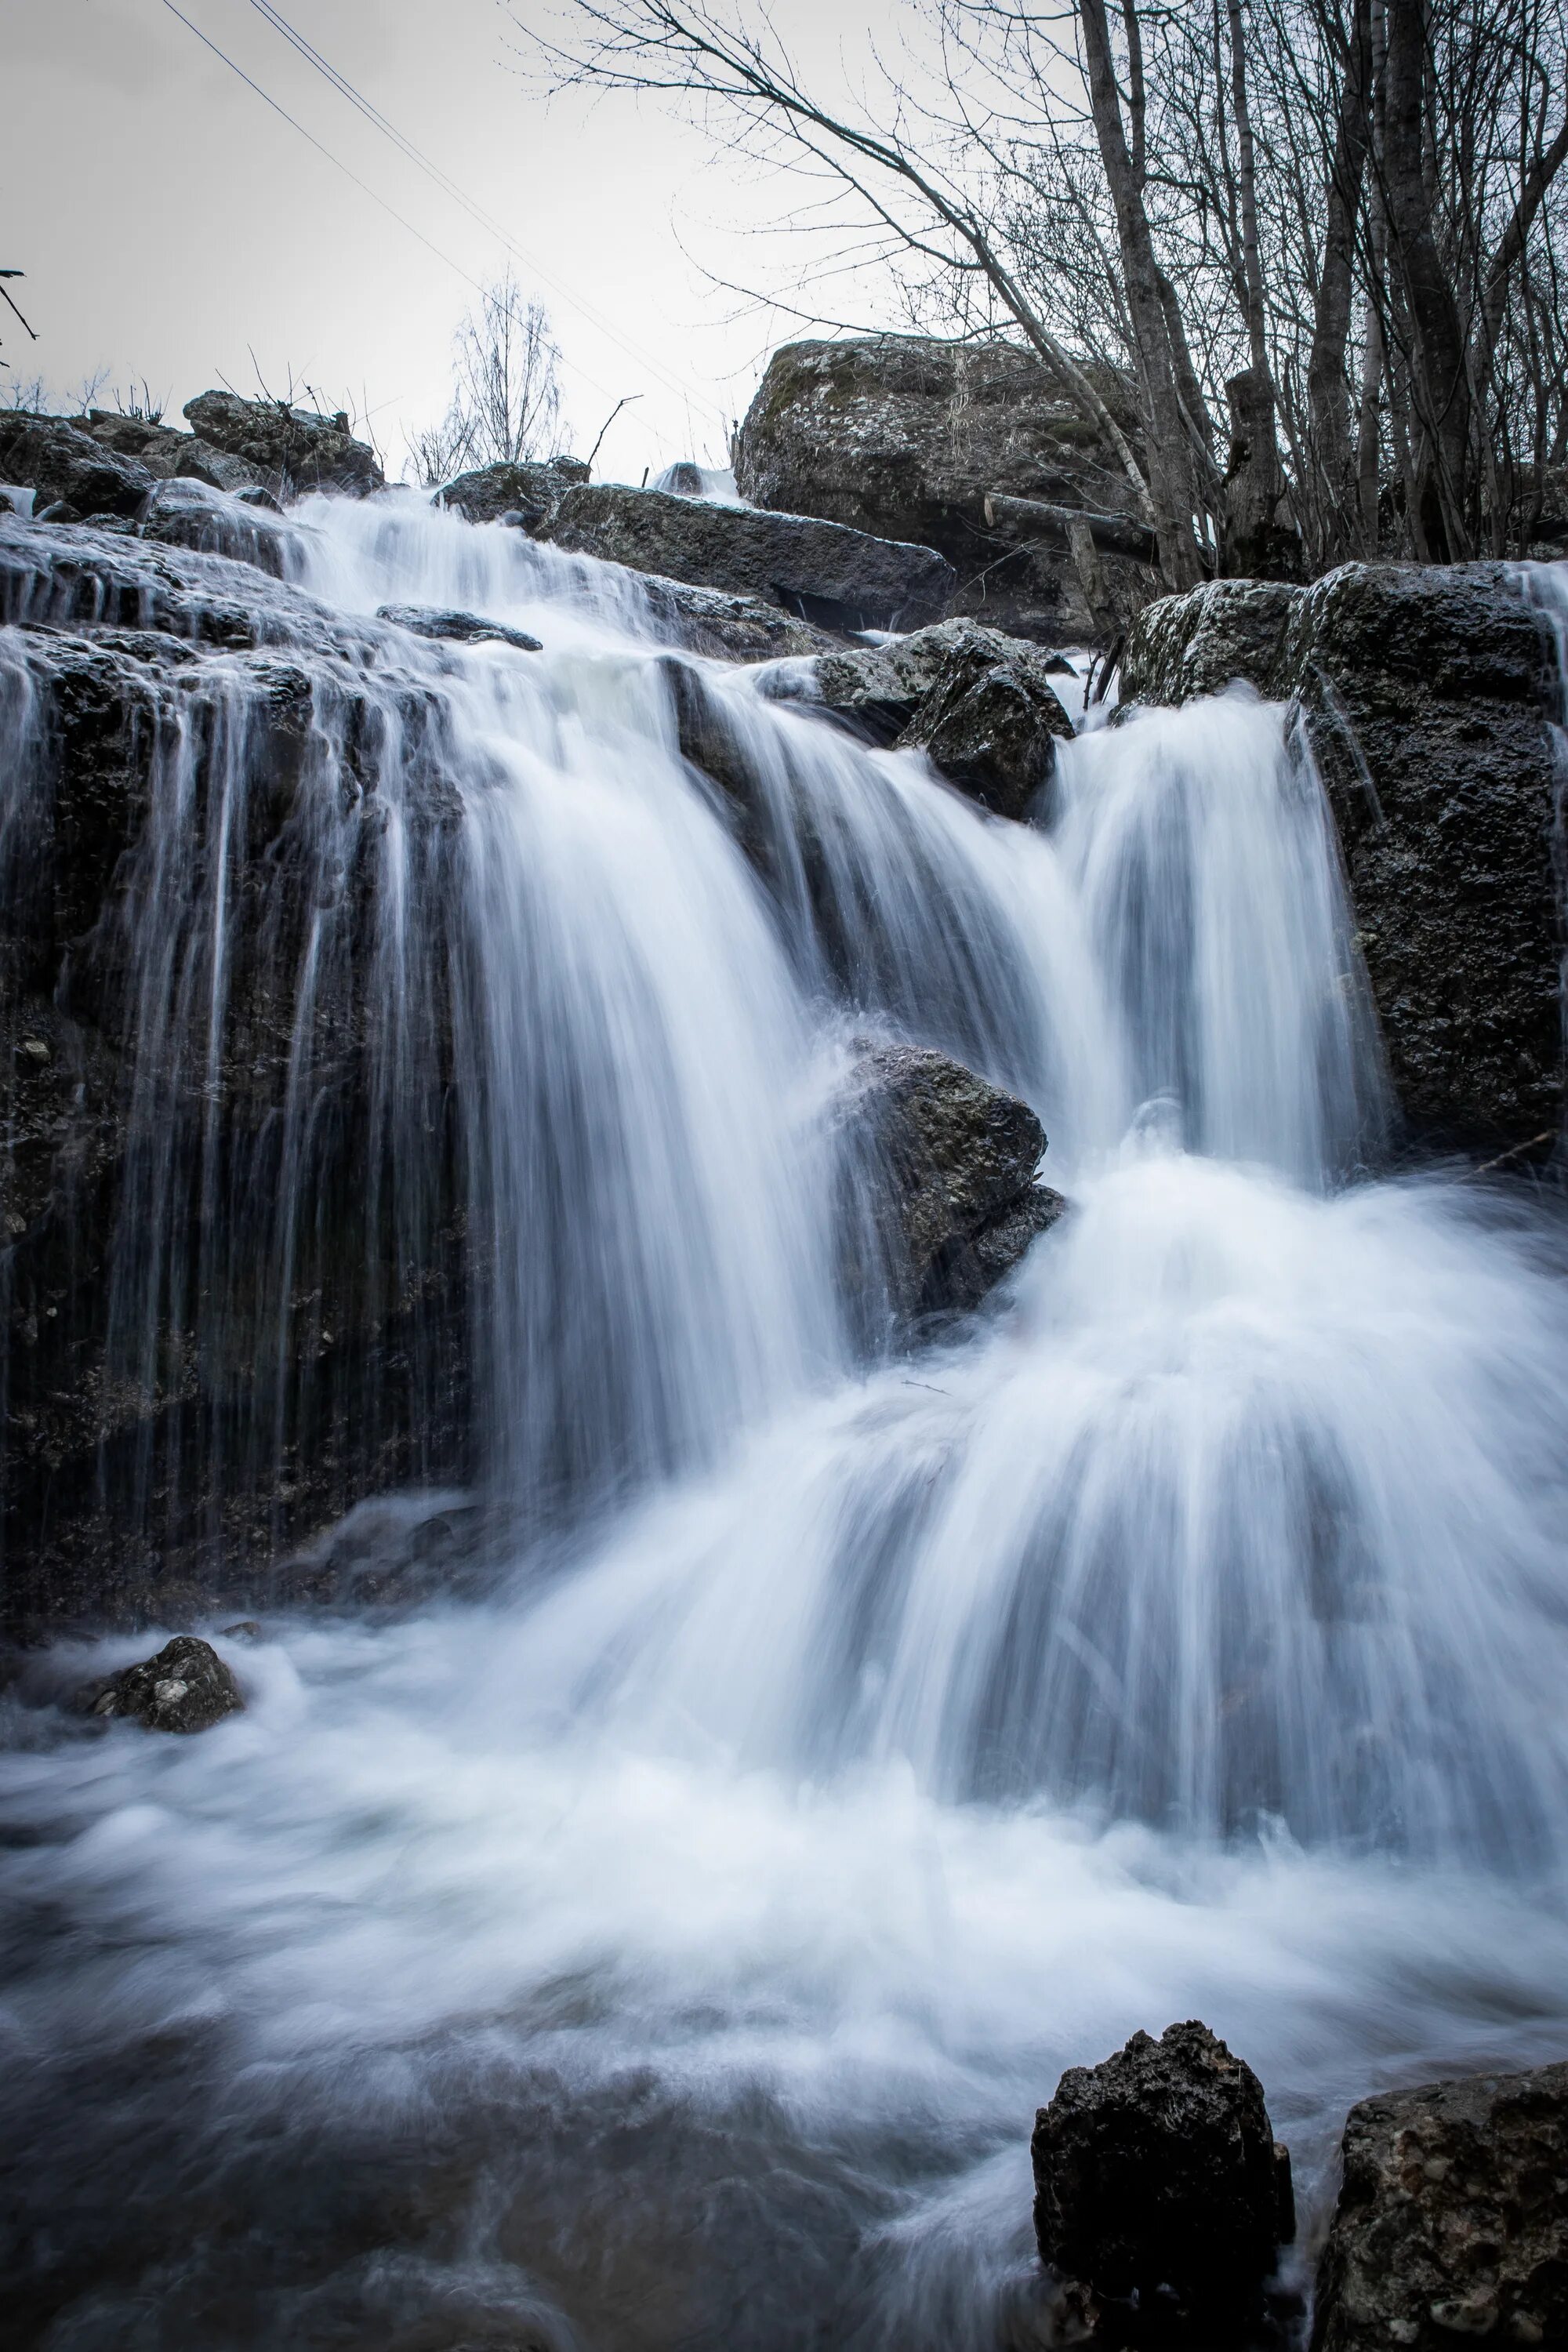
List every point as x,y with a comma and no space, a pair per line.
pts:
185,1688
948,1195
983,706
1428,695
176,1417
184,511
1452,2221
906,435
528,492
291,447
68,470
821,570
170,455
1160,2188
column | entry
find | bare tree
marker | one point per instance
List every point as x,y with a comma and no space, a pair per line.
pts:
506,394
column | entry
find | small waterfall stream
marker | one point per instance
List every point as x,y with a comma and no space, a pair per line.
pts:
669,1948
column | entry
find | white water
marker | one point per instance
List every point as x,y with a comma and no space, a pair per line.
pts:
672,1948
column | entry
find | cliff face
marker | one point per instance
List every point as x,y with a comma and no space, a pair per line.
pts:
234,1290
1430,697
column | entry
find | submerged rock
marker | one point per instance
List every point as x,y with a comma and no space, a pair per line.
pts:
1429,695
906,435
1452,2221
531,490
307,452
66,468
946,1163
842,578
1159,2187
460,628
186,1687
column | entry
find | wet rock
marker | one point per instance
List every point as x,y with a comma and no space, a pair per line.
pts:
1429,694
905,436
945,1170
294,446
1453,2218
725,627
133,1473
66,468
838,577
458,628
1198,644
1160,2189
531,492
981,705
185,512
186,1687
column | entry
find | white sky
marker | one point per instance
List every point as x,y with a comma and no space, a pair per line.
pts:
170,224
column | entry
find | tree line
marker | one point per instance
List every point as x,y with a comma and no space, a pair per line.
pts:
1295,263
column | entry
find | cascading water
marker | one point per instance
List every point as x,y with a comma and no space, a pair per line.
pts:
670,1948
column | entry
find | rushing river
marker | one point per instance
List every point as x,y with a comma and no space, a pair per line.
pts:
669,1948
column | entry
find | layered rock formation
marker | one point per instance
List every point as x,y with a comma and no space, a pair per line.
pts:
234,1280
906,437
821,570
1429,698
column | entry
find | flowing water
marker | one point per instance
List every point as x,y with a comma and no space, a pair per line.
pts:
670,1948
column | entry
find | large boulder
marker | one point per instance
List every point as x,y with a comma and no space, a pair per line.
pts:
66,468
906,437
530,489
841,578
944,1166
185,512
1159,2187
1452,2218
185,1688
1429,696
723,628
291,447
983,706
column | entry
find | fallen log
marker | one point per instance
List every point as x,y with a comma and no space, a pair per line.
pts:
1035,519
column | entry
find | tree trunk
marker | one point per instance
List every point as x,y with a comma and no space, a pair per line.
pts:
1440,377
1328,399
1259,541
1173,483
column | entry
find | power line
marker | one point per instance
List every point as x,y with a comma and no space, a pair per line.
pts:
487,220
267,99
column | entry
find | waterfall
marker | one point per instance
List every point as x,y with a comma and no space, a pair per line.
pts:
668,1943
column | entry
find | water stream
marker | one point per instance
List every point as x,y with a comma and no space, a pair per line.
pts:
669,1948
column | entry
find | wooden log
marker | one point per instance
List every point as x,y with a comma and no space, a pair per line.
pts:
1023,519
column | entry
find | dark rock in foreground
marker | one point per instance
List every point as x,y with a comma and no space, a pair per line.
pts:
949,1161
531,489
844,579
1453,2218
458,628
63,467
1160,2188
1429,694
905,436
981,705
186,1687
307,452
724,627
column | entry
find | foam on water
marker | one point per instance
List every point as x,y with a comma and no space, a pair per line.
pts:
671,1949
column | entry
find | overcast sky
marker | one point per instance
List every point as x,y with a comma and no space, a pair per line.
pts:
172,225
